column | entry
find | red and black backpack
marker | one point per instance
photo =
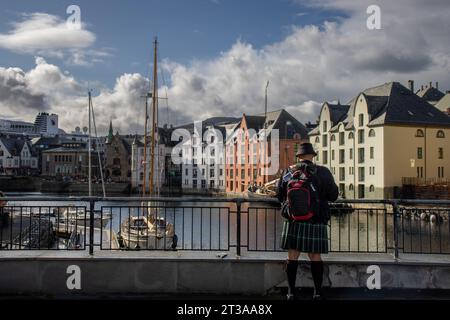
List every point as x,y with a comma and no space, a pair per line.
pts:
303,194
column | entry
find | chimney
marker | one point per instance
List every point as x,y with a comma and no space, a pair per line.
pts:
431,84
411,85
421,87
437,85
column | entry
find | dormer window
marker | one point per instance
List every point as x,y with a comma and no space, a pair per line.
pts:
440,134
372,133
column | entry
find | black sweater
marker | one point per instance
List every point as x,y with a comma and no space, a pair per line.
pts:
328,191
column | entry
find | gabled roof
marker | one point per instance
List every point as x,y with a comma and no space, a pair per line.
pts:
15,146
444,103
430,93
404,107
278,120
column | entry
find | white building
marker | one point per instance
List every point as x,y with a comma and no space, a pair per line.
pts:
47,124
203,162
17,156
382,137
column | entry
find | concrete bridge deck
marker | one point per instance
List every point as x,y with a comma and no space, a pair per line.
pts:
182,273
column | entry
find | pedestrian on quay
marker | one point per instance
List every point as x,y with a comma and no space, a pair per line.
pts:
304,191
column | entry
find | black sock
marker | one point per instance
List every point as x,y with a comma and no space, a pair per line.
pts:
291,272
317,274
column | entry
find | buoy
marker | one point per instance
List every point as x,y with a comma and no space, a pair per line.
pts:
424,216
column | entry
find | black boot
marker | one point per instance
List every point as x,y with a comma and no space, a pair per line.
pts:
317,274
291,273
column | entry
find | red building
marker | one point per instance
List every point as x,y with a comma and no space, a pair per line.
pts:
251,159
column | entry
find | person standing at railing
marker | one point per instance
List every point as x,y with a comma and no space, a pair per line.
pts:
304,191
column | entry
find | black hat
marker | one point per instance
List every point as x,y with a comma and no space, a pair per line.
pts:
306,148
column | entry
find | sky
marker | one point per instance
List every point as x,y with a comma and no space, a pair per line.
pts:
214,56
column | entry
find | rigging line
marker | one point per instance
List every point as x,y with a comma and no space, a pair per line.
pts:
98,150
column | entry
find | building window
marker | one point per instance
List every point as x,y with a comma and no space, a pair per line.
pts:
211,173
341,156
440,172
419,172
372,152
221,172
194,173
341,138
317,140
440,134
419,153
332,138
186,171
242,173
350,187
211,184
341,174
361,136
350,153
361,120
324,126
372,133
203,184
324,141
419,133
332,155
351,135
361,155
371,188
325,157
441,153
361,176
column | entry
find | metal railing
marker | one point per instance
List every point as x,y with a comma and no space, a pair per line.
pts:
215,224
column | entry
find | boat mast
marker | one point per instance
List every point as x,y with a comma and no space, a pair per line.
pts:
265,134
144,186
154,107
89,148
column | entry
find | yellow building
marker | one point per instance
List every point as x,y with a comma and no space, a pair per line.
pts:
383,135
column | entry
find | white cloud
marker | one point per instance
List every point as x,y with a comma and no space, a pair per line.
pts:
47,88
310,65
48,35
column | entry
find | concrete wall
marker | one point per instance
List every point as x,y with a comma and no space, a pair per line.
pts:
121,276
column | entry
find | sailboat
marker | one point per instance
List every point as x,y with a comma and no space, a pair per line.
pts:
149,230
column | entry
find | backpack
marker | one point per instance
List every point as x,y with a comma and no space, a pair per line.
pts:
302,201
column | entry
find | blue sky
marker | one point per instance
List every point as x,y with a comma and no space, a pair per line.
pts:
216,55
187,30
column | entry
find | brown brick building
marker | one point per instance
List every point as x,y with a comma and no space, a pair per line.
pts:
244,163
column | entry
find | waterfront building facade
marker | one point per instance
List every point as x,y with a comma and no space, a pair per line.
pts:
247,152
17,156
384,135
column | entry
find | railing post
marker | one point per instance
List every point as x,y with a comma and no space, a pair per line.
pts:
238,228
91,226
395,214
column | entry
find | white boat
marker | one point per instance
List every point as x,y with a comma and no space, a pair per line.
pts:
76,217
152,233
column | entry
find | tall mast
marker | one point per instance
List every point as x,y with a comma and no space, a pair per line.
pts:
89,148
144,186
154,106
265,133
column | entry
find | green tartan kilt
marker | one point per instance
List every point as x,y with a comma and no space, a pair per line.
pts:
305,237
